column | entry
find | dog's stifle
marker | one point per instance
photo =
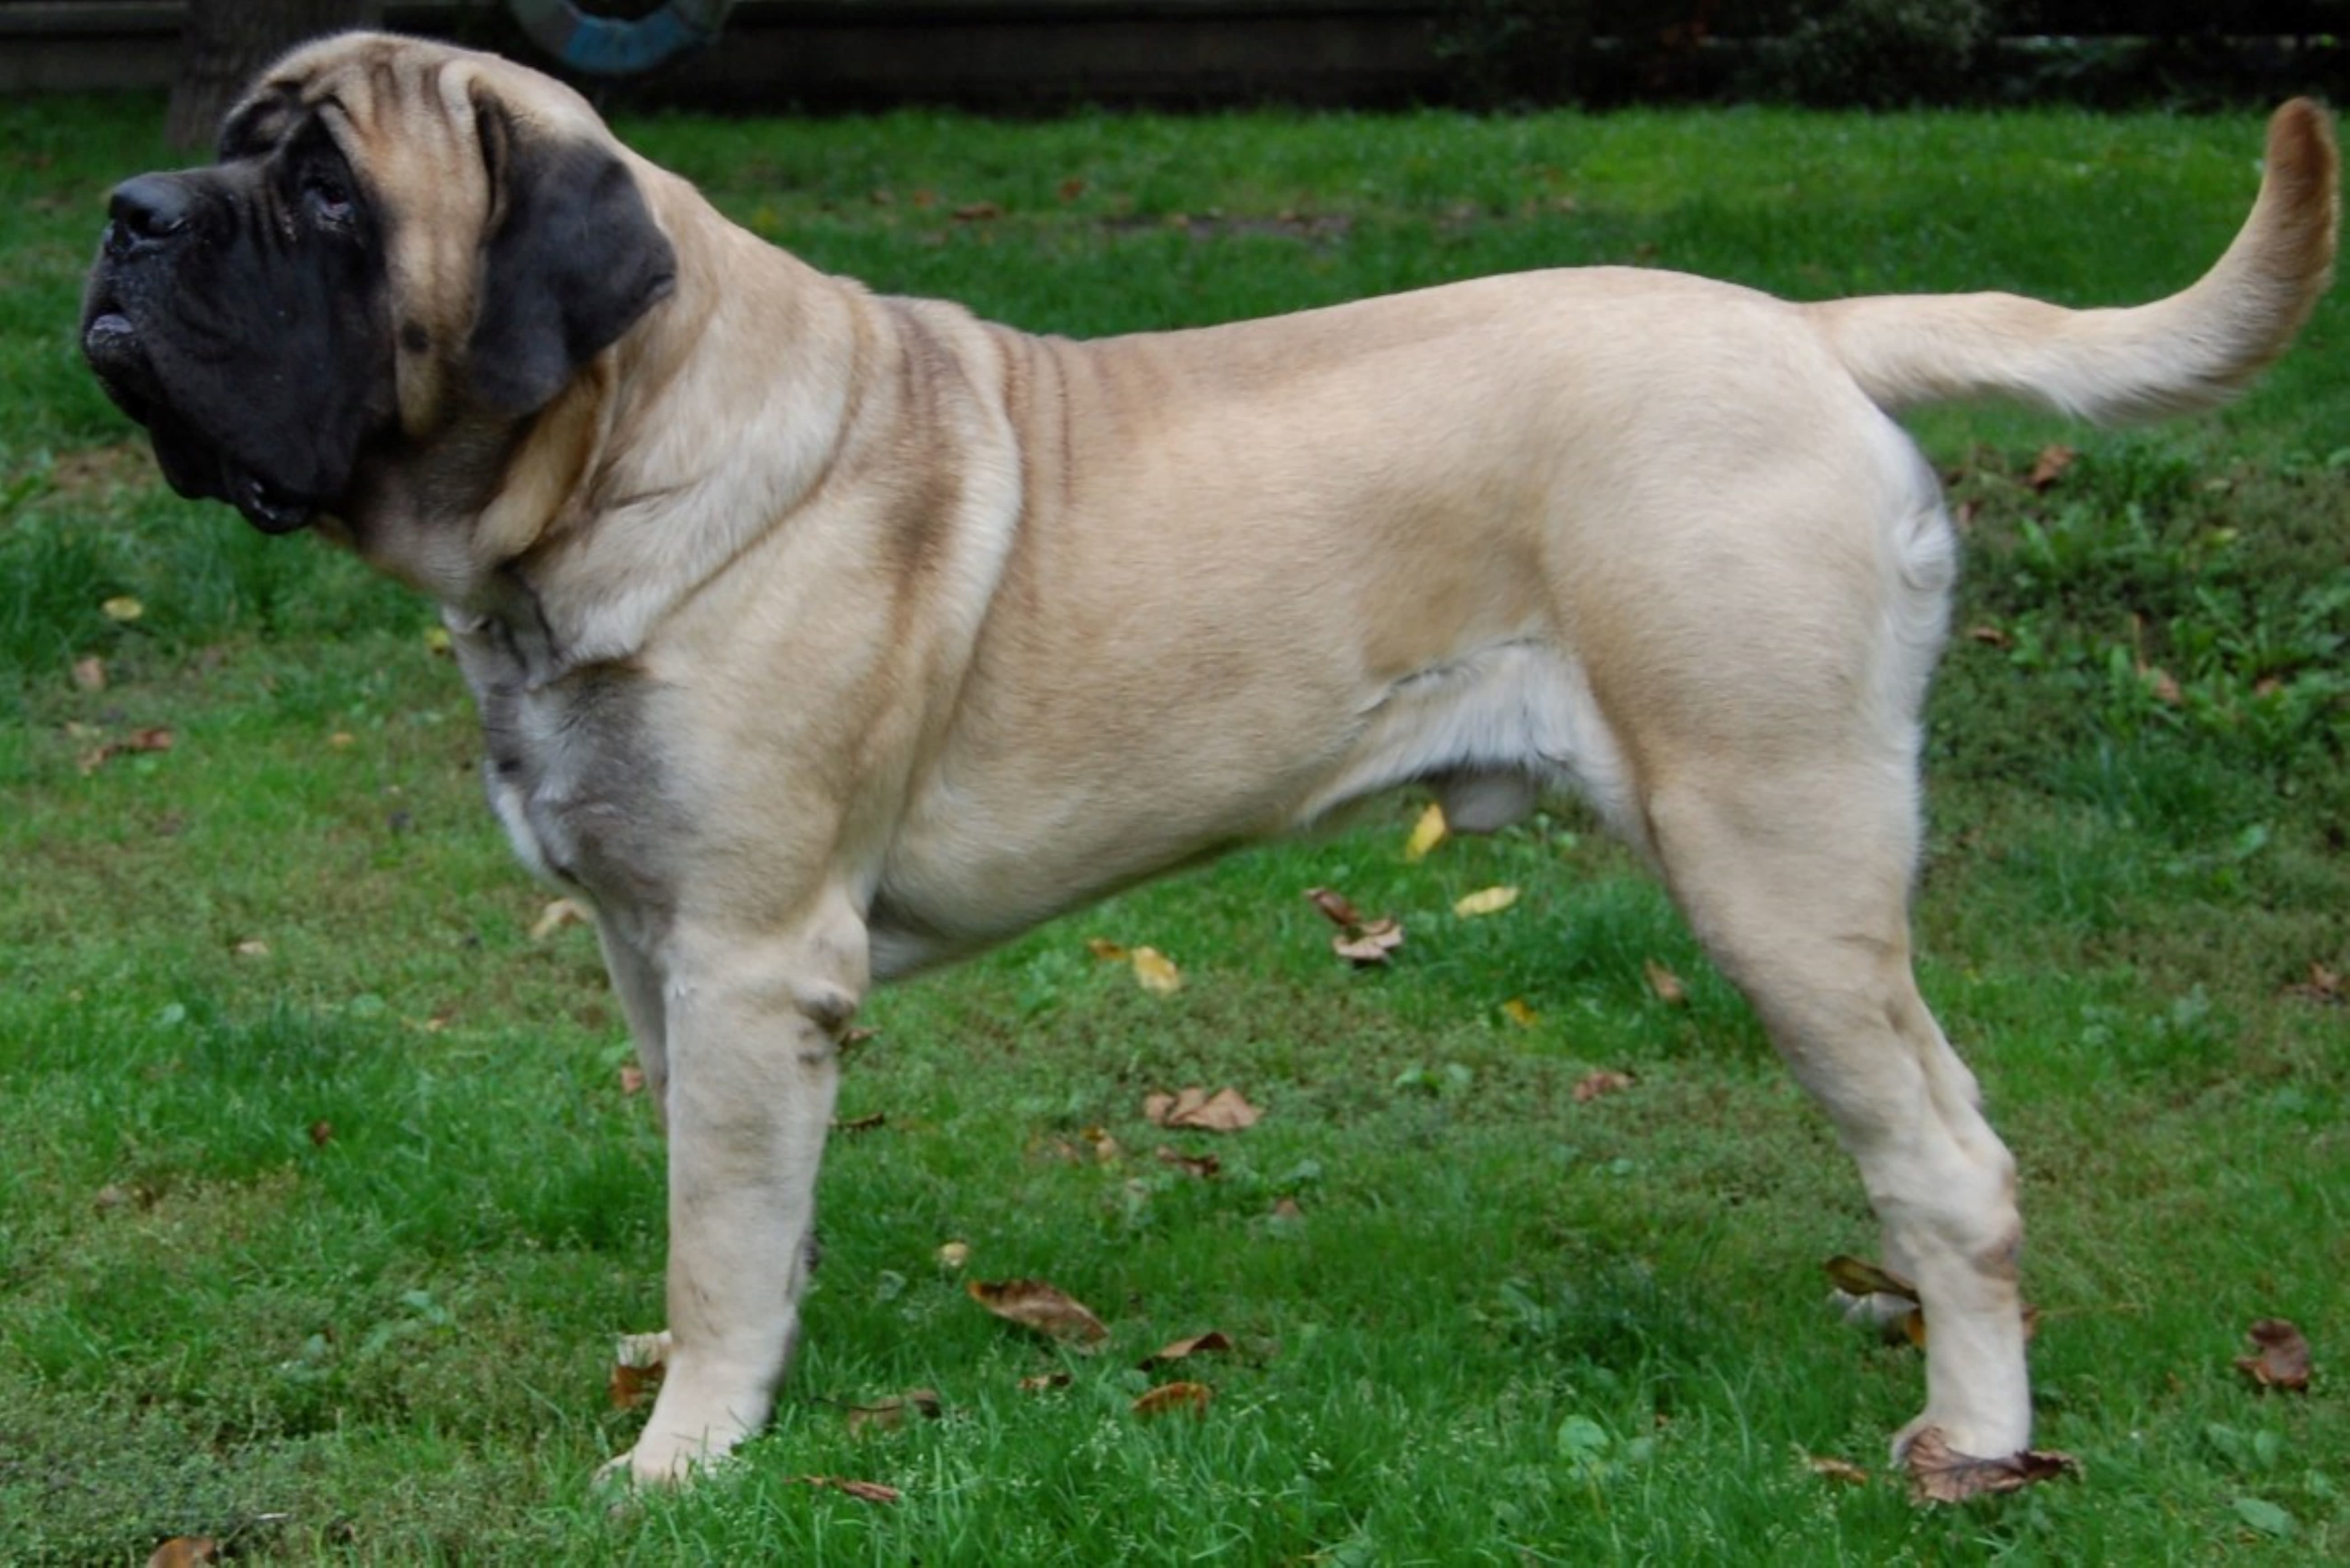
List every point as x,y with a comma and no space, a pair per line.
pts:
819,636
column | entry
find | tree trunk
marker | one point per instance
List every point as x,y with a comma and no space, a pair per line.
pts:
227,41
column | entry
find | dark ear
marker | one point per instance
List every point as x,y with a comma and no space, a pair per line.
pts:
572,259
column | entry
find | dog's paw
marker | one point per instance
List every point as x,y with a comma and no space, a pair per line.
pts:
659,1463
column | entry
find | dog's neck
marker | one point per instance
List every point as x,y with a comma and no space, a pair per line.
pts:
621,531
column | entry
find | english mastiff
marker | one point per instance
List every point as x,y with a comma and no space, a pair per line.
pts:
820,636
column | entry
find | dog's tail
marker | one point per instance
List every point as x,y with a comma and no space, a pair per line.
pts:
2189,351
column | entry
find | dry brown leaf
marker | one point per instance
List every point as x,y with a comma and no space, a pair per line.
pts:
2282,1358
632,1387
1940,1474
1156,972
954,1255
1358,941
155,738
1370,944
256,948
889,1414
977,213
1198,1345
1204,1165
1335,906
1107,1150
1106,950
89,674
863,1491
1287,1208
1856,1277
2324,985
632,1078
1835,1470
1046,1308
2163,685
638,1362
1171,1397
1226,1110
1990,636
1043,1381
557,914
1426,834
1605,1081
185,1552
1665,984
864,1124
321,1134
1485,901
2050,465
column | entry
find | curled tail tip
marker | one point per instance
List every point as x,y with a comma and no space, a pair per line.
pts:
2302,163
2301,133
2299,211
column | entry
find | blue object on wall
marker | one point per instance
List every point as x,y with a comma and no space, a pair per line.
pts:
611,47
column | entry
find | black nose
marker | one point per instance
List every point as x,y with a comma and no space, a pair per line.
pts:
145,209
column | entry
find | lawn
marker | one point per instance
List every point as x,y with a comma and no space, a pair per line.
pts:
325,1192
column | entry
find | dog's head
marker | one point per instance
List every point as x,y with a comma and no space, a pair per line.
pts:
404,252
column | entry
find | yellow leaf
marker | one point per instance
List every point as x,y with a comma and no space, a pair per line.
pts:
436,641
1426,834
1489,901
1516,1011
1156,972
954,1255
562,912
122,608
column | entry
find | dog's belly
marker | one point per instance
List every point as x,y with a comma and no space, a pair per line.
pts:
983,858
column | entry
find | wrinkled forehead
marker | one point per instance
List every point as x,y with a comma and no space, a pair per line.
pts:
366,86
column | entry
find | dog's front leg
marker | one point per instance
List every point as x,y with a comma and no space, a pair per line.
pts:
752,1024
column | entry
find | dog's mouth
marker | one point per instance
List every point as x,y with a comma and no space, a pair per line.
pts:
194,465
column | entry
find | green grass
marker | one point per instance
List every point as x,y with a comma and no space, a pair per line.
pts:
320,1247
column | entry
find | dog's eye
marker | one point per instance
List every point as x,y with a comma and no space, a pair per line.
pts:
329,197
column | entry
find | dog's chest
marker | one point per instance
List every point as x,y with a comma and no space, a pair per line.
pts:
563,766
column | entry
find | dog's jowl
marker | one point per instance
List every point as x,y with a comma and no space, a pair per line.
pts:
820,636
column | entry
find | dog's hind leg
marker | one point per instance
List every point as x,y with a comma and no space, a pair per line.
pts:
1794,870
